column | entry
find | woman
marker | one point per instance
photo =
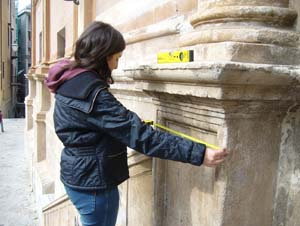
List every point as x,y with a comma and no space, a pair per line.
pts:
96,129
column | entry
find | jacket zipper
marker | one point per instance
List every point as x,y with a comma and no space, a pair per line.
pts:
92,105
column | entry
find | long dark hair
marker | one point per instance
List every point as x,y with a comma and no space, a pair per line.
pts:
98,41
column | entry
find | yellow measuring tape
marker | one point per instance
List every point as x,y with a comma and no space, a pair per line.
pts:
150,122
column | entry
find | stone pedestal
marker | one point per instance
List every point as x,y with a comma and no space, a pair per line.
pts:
238,93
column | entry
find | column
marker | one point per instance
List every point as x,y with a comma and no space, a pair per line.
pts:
46,31
31,82
30,99
244,31
42,107
86,14
251,53
33,32
75,23
42,98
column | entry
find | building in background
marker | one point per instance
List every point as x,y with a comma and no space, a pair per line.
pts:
241,91
24,58
8,56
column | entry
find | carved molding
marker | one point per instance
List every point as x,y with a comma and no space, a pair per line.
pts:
215,80
40,116
170,26
40,77
266,14
217,73
247,35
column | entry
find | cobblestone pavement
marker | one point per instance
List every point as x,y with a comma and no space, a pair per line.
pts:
17,206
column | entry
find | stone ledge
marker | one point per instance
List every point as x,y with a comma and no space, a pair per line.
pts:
215,80
219,73
56,203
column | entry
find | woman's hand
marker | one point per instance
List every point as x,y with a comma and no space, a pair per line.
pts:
214,157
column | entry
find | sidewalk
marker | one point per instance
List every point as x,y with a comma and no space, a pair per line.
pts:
17,206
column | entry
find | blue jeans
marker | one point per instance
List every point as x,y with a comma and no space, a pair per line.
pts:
96,208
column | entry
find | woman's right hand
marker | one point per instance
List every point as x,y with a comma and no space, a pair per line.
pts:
214,157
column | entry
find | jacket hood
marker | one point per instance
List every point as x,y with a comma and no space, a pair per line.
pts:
59,73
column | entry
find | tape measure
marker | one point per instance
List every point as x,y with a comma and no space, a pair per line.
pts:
150,122
180,56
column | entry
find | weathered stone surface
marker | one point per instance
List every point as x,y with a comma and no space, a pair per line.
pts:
286,205
266,14
241,91
243,35
223,72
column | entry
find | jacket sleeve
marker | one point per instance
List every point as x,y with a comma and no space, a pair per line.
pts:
111,117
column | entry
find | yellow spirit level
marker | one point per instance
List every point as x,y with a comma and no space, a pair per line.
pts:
180,56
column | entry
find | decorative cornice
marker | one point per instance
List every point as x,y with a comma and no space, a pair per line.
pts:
42,68
167,27
277,16
40,116
219,80
40,77
30,76
247,35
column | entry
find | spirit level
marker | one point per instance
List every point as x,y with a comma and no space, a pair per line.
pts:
180,56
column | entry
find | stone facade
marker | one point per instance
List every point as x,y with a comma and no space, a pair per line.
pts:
8,53
241,91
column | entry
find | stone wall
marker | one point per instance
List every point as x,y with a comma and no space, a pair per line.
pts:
7,64
241,91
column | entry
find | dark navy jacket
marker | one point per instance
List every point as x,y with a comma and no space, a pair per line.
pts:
96,129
